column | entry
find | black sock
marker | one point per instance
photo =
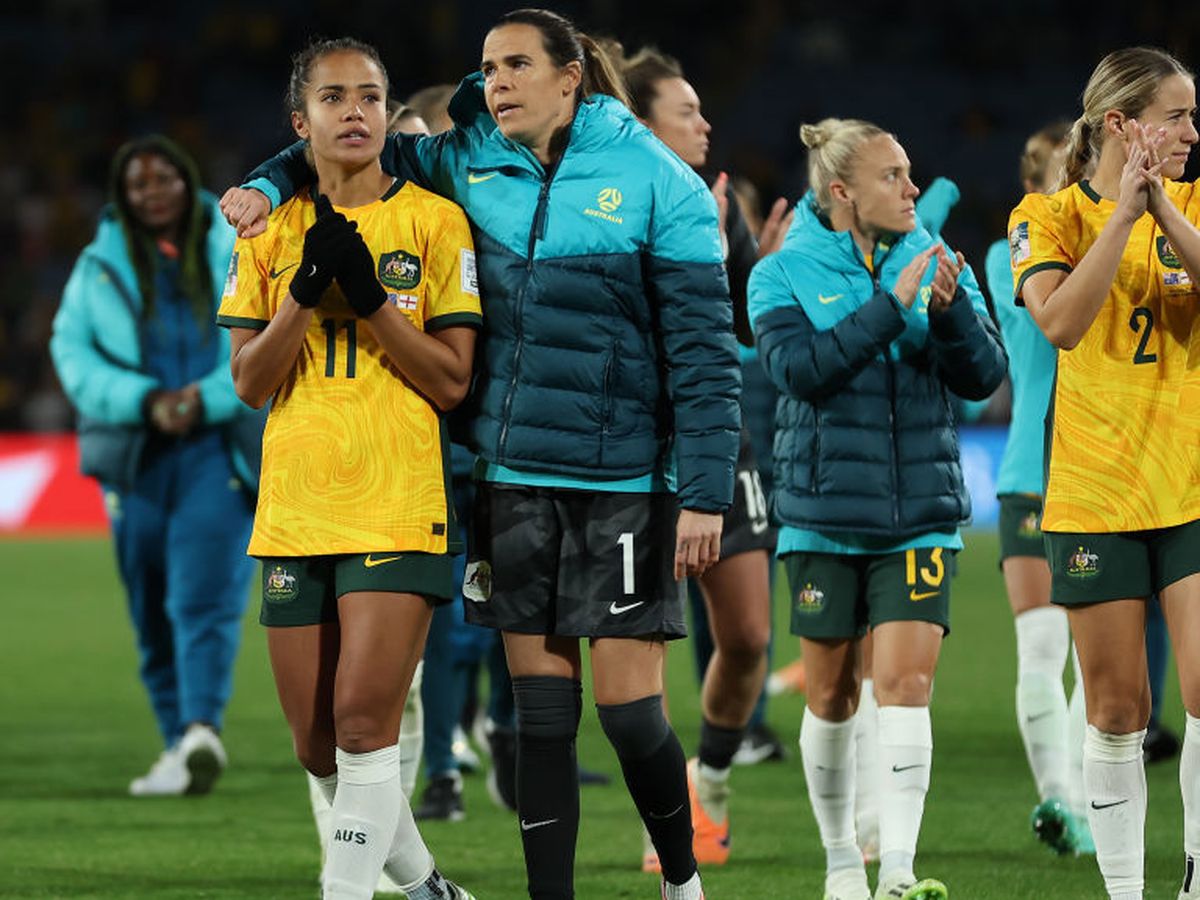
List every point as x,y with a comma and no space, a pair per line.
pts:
655,771
548,782
718,744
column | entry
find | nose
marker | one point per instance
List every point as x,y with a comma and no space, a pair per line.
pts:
705,127
1190,135
355,111
910,189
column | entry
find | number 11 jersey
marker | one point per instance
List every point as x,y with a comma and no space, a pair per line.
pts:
354,458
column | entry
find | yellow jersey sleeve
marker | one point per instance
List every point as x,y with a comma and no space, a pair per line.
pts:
1036,239
452,290
245,300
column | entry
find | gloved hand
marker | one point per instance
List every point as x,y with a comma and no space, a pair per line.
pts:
357,279
325,244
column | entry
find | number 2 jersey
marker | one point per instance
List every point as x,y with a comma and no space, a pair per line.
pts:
1125,444
354,458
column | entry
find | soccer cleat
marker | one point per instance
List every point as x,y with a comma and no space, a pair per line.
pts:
442,800
847,884
906,887
1160,744
458,892
710,832
203,757
790,679
168,777
1054,826
1081,835
502,776
760,744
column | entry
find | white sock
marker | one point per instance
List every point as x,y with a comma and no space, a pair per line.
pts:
1115,780
1043,641
365,810
1076,730
689,890
409,862
866,776
827,751
905,757
412,734
1189,786
321,791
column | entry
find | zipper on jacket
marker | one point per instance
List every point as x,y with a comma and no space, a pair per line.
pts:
537,230
610,365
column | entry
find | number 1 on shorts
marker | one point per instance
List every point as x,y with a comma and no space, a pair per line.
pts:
626,543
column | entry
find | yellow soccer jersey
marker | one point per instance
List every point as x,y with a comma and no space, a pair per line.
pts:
353,457
1125,445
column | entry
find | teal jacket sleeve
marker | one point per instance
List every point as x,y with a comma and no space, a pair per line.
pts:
285,173
968,354
934,205
687,284
98,384
220,400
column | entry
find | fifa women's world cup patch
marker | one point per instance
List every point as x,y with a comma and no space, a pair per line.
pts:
231,277
1018,244
400,270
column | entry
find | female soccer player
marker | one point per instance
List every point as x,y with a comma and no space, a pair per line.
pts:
354,528
1043,637
736,591
174,449
867,326
1107,267
608,342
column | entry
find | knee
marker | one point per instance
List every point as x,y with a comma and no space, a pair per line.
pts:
1118,714
747,647
833,702
635,729
316,753
903,688
362,730
547,706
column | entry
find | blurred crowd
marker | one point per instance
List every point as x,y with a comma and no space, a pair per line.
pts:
961,84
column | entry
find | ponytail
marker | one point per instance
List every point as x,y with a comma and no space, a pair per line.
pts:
600,75
1077,156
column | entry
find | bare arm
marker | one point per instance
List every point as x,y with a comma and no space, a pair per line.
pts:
438,364
261,360
1064,307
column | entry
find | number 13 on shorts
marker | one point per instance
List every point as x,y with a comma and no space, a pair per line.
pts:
930,576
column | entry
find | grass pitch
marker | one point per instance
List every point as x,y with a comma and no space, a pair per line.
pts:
75,727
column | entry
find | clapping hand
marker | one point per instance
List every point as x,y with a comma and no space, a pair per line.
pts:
945,279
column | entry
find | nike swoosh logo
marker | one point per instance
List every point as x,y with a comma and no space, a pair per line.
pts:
372,563
1040,715
617,610
833,298
1096,805
667,816
914,596
472,178
529,826
899,769
275,273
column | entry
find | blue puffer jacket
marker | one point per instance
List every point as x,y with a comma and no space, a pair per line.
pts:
865,438
97,352
607,320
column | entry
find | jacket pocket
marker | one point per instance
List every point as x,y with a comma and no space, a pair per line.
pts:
608,379
110,453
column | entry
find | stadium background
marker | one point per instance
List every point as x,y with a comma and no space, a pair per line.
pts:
962,84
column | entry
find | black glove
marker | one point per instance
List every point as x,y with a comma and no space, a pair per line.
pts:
357,279
324,245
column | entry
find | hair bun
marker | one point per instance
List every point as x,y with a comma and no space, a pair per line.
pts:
813,136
